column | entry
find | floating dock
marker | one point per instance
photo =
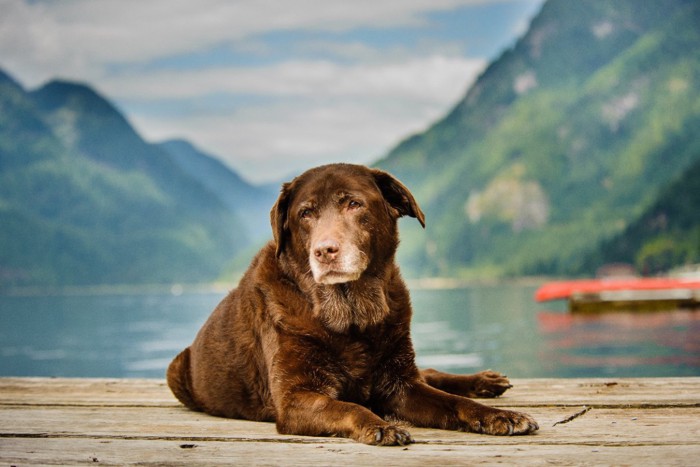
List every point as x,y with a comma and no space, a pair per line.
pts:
643,293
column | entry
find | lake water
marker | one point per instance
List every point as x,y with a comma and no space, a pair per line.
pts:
459,330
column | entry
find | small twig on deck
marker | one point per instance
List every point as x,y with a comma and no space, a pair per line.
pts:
574,416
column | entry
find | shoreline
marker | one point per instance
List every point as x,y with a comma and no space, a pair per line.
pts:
176,289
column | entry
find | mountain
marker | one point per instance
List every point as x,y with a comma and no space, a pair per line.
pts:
667,234
250,203
24,137
578,146
563,141
85,200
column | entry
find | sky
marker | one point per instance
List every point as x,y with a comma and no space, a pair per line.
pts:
269,87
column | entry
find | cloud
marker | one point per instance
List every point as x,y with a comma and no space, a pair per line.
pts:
79,38
271,142
321,110
327,93
432,78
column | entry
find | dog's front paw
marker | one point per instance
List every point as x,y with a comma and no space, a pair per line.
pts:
490,384
388,435
504,422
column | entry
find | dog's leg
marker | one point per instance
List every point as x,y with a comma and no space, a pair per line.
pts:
425,406
180,381
314,414
484,384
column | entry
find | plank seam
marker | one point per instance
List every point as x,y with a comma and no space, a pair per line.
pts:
322,440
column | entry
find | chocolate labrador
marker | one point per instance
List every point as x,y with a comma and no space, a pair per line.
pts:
317,335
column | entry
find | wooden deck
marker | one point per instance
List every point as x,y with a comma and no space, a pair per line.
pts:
653,421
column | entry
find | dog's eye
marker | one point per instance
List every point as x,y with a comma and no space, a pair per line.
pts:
354,204
305,213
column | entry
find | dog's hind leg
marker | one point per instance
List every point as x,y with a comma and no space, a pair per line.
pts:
484,384
425,406
180,380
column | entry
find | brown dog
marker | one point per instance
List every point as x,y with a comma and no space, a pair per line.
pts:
316,336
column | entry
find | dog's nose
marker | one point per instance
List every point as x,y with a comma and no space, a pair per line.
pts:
326,251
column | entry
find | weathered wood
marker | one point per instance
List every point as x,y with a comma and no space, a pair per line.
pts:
164,452
97,421
86,391
527,392
619,426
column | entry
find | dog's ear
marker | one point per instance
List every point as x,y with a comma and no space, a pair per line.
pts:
398,196
278,218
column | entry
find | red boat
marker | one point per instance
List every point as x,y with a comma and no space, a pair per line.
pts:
623,293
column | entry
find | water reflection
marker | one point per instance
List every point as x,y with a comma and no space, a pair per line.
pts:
663,343
97,335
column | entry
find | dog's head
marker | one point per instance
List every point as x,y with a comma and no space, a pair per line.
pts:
341,218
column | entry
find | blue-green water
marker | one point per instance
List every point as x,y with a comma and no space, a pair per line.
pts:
459,330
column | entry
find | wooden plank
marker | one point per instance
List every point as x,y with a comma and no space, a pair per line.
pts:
86,391
608,392
525,393
600,426
165,452
45,421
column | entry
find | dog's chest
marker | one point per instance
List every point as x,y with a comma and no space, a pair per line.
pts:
357,363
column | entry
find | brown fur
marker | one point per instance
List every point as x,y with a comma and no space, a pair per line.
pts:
316,336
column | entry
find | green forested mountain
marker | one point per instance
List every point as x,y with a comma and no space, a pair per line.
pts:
577,147
85,200
561,144
250,203
666,235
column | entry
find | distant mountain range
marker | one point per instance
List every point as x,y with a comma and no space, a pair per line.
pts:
577,147
563,143
85,200
250,203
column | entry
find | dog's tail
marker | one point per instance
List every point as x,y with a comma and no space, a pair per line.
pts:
180,380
